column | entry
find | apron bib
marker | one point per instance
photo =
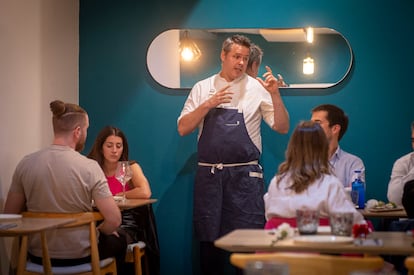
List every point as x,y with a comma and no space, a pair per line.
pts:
229,186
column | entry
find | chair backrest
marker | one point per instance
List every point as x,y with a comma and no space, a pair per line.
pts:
409,264
83,218
407,198
309,263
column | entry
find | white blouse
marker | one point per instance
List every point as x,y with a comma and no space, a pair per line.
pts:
326,194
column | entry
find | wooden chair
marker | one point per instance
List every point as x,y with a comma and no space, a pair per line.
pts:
136,254
96,266
312,264
409,264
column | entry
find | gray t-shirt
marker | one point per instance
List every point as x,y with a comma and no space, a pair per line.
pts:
59,179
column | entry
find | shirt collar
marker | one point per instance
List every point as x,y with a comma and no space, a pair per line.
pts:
335,156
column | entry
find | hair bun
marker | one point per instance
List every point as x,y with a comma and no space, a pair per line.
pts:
57,107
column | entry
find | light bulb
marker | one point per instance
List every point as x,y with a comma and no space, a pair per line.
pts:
187,54
308,66
189,50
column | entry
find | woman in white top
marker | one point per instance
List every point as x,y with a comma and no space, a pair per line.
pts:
305,179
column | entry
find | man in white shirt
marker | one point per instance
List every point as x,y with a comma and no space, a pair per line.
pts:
227,109
334,122
402,172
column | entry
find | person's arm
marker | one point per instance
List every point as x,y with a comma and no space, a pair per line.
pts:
399,176
15,203
141,188
280,114
190,121
111,214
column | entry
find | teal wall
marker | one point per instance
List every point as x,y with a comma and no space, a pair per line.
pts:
115,88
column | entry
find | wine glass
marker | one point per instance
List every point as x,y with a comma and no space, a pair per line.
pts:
123,174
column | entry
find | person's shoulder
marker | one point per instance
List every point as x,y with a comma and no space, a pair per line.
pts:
254,88
331,178
330,183
349,156
200,86
83,160
28,159
34,155
405,158
205,80
134,163
253,82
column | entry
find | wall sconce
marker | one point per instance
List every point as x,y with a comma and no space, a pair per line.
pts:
188,49
308,65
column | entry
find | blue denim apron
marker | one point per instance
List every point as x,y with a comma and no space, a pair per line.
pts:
229,186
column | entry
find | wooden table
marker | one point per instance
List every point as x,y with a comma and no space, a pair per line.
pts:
253,240
133,203
28,226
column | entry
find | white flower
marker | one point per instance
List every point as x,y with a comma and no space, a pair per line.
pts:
283,231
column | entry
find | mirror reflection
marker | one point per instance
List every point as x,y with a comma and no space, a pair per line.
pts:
305,57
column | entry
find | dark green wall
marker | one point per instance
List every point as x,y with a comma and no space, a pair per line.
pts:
115,88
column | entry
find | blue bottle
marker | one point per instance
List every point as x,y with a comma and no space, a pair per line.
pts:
359,186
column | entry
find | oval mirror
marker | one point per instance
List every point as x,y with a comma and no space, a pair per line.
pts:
322,63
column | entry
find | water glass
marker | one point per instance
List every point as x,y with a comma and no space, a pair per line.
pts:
266,268
307,221
341,223
123,174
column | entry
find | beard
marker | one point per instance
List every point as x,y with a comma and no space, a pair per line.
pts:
80,145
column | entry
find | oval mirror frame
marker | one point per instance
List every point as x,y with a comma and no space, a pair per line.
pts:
285,51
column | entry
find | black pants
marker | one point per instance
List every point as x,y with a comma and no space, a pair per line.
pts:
216,261
109,246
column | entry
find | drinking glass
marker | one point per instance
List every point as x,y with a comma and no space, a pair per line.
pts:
341,223
307,221
123,174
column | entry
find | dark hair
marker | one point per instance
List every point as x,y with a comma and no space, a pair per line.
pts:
235,39
408,198
306,156
335,115
256,54
96,151
66,116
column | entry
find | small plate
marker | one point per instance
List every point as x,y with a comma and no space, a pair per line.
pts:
8,217
385,209
323,239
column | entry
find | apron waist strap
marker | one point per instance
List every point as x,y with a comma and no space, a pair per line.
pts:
220,166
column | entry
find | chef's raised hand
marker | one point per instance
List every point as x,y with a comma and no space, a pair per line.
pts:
220,97
270,82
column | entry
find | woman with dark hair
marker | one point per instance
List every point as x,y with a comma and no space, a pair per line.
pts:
305,179
111,146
